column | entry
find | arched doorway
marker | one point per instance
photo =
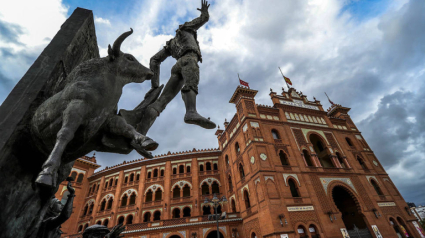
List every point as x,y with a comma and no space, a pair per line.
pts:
213,234
351,216
395,226
174,236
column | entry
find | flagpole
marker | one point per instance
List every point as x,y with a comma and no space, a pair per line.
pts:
287,85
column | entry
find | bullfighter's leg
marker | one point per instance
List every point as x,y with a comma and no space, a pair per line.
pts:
118,126
190,73
73,116
171,89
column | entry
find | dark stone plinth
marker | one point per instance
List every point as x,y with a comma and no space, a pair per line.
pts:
22,203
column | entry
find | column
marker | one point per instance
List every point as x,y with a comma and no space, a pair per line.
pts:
194,193
346,162
316,160
97,202
117,195
140,193
305,162
166,195
335,161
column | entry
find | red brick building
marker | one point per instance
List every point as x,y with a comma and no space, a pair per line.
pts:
288,170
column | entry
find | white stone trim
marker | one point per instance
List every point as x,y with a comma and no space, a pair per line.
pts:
285,177
209,181
154,187
129,192
181,184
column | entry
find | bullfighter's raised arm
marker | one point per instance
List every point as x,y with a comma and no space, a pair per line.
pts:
198,22
154,64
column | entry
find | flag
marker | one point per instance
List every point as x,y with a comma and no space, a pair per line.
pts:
287,80
243,83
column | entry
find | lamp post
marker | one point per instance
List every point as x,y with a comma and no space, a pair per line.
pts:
215,202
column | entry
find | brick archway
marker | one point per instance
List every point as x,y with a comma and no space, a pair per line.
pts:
350,191
174,235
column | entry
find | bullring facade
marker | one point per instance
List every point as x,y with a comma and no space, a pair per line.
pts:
287,170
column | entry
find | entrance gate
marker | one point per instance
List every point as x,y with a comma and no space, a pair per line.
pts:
351,215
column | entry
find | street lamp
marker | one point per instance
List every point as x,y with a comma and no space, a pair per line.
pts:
215,202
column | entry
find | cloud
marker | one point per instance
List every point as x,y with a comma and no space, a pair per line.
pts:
102,21
372,63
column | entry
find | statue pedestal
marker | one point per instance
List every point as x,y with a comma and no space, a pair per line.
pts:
22,203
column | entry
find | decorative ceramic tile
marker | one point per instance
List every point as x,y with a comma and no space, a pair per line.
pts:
285,176
209,181
154,187
183,233
181,184
268,177
368,177
386,204
327,181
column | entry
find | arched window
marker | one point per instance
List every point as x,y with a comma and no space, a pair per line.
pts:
229,179
176,213
124,200
307,158
86,208
186,191
80,228
157,216
181,169
227,160
201,167
149,175
111,181
206,210
97,188
126,179
219,209
176,192
301,231
275,134
241,171
341,160
105,222
74,175
323,155
111,200
90,190
147,217
121,220
91,208
215,188
133,198
283,158
116,182
80,178
294,189
64,197
253,235
129,220
162,172
155,173
103,205
137,177
85,226
106,184
246,198
208,166
313,231
158,195
149,196
99,222
174,170
187,169
215,166
205,189
131,177
349,142
233,206
376,187
237,148
362,164
186,212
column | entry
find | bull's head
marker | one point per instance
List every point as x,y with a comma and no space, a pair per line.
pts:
128,67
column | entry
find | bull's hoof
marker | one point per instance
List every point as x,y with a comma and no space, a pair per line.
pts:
149,144
196,119
45,180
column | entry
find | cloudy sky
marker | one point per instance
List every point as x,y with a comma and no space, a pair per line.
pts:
367,55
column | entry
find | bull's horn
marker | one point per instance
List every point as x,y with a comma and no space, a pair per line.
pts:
117,44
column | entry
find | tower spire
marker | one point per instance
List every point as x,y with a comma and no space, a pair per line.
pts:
329,99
